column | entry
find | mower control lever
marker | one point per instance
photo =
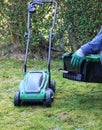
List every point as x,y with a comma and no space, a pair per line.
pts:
26,35
32,8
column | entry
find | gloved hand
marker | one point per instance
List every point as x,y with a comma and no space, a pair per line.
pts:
101,57
77,58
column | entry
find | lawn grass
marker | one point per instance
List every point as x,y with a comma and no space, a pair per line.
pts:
76,105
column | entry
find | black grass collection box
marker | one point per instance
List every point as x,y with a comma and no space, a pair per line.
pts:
89,71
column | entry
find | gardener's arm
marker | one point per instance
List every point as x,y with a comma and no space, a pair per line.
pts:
94,45
89,48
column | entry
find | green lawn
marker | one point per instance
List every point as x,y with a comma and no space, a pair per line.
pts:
76,105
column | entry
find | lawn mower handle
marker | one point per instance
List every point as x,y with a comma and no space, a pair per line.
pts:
31,9
45,1
36,3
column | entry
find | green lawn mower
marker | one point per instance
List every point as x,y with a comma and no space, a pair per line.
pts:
36,86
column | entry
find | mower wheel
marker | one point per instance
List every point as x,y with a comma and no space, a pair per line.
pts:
48,99
53,85
17,101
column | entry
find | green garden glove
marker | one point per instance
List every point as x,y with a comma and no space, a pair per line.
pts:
101,57
76,60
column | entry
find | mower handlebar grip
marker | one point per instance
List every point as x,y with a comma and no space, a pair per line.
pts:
36,2
45,1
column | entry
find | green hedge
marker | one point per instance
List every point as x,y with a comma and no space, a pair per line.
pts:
77,22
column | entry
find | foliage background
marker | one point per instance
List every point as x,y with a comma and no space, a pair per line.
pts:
77,22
